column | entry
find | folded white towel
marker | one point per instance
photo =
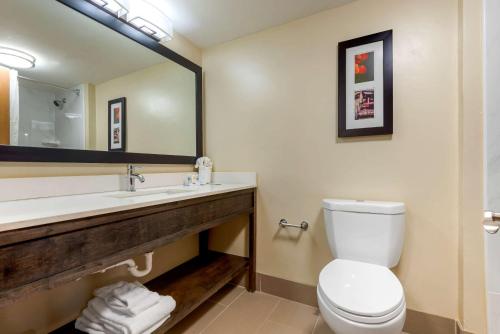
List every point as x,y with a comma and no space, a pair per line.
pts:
106,290
148,300
96,321
88,330
109,326
131,325
130,293
84,321
91,324
157,325
128,298
85,325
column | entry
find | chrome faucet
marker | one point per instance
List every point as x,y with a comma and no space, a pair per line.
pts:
132,175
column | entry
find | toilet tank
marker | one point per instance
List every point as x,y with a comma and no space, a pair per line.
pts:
365,231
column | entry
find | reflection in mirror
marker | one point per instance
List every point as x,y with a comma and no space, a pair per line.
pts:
60,97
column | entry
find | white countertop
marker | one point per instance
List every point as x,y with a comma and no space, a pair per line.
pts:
40,211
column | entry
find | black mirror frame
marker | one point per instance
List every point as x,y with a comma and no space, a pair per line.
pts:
40,154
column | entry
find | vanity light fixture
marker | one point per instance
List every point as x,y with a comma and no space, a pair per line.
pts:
150,19
13,58
117,7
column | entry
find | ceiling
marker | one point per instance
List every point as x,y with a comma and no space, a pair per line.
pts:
210,22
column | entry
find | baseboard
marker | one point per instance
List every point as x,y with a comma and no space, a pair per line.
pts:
422,323
298,292
416,322
460,329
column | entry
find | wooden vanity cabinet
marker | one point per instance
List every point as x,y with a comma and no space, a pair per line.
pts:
43,257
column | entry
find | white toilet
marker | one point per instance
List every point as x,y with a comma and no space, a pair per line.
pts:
357,293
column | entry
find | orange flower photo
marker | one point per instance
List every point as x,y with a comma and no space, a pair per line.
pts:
364,67
116,115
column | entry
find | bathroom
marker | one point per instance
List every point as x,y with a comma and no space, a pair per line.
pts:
256,86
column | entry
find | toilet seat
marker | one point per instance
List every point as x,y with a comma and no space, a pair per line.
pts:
359,318
361,292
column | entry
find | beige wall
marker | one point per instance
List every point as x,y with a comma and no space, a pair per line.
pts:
44,311
472,295
161,110
274,95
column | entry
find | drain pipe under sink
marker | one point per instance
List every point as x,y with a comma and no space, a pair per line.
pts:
133,268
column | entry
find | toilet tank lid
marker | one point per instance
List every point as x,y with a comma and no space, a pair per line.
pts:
388,208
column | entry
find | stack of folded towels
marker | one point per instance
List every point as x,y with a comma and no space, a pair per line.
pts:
125,308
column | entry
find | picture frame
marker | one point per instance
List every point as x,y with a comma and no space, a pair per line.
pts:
365,86
117,125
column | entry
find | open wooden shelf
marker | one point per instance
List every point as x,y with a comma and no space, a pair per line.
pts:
190,284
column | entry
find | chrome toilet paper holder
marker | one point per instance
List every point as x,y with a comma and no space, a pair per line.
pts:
284,223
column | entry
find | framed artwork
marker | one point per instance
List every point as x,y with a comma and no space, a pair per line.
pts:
117,124
365,86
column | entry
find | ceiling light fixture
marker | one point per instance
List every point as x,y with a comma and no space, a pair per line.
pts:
13,58
150,19
117,7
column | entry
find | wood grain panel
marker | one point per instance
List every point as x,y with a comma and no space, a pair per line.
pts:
33,264
4,106
42,231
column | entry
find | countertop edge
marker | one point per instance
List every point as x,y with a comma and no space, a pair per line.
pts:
27,223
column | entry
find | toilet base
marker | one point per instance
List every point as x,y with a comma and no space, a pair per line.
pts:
341,325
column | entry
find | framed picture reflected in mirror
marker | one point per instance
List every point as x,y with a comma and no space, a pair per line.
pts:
117,125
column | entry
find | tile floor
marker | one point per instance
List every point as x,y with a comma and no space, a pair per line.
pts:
234,310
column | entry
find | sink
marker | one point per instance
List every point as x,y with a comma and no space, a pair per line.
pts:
152,192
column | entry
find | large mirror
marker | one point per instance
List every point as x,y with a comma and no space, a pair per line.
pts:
69,82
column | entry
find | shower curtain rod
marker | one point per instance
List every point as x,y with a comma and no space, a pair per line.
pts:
76,91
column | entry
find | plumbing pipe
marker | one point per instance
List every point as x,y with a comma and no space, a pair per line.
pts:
132,266
149,265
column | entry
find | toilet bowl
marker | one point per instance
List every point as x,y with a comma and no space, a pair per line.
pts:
357,292
361,298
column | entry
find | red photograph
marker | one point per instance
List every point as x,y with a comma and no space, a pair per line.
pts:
364,67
